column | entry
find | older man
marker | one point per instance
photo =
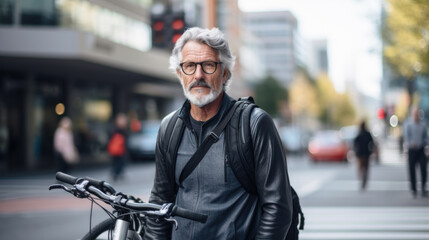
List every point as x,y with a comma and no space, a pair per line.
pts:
203,62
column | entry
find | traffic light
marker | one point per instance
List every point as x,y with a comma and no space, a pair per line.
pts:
159,31
167,28
177,26
381,113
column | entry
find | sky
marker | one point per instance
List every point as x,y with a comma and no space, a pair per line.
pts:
351,29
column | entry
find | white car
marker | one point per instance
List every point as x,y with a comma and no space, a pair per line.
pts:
141,145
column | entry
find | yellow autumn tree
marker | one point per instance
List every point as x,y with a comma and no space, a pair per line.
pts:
303,100
336,109
406,39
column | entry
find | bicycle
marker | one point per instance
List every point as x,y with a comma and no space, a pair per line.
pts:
128,218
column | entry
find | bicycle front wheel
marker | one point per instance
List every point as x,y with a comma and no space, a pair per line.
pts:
103,231
100,231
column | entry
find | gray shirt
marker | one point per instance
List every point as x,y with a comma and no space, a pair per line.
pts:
415,134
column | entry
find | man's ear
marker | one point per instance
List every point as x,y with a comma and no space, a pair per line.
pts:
225,76
179,74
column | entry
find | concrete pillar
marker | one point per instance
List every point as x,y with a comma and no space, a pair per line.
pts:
17,13
29,128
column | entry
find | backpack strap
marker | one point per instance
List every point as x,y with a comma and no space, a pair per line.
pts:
247,99
297,208
173,136
206,144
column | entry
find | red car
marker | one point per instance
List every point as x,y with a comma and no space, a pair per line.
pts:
327,146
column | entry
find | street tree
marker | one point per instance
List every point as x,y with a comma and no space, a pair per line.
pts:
269,94
303,100
406,38
336,109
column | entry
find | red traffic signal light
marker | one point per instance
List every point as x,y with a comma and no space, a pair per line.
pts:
176,37
381,114
158,26
177,27
178,24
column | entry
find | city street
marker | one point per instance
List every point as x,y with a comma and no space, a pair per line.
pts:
333,204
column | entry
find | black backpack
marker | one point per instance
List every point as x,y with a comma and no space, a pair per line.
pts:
237,136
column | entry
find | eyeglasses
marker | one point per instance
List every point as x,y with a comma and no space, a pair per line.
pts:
208,67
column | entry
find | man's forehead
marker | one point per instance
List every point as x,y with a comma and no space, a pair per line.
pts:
194,49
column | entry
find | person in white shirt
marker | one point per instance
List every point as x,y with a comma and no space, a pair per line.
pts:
65,150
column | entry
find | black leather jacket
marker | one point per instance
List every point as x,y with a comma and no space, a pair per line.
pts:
274,200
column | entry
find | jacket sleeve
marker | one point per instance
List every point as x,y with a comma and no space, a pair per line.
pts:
163,190
272,179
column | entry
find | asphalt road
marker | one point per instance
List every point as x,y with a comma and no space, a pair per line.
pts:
334,205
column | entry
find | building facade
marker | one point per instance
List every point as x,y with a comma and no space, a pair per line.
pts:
88,60
277,31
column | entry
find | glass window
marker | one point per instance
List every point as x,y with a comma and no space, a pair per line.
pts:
6,11
36,12
92,111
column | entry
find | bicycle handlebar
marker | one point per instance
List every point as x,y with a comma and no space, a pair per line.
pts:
185,213
94,187
63,177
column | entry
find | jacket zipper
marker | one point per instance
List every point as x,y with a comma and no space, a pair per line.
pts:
226,168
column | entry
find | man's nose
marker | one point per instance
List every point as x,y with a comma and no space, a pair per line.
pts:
198,72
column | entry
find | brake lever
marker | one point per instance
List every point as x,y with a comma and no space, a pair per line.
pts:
164,212
78,190
59,186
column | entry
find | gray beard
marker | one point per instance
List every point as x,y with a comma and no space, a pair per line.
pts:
203,100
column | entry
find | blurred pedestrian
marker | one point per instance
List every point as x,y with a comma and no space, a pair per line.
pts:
363,146
117,145
135,124
415,140
65,150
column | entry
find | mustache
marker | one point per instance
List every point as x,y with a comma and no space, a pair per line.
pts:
199,83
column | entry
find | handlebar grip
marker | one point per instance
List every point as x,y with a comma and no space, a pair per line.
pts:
63,177
181,212
94,182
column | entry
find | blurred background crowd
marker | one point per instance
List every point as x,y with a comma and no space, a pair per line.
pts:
90,60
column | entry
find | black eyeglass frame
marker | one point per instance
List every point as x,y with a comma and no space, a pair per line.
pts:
201,64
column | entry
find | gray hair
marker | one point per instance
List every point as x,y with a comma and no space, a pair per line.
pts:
213,38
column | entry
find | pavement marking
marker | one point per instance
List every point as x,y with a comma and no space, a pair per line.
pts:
307,183
361,223
373,185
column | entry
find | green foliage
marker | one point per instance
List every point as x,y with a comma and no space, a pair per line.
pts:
269,94
406,36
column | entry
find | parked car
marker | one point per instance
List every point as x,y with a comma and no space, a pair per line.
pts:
348,134
294,139
141,145
327,145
